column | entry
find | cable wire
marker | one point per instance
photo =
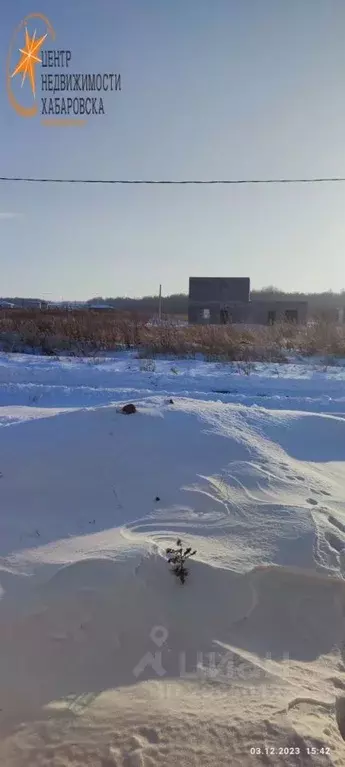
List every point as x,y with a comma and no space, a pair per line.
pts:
334,179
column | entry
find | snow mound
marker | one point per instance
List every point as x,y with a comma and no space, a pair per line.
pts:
105,658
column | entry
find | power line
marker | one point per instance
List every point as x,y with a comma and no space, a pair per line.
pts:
329,180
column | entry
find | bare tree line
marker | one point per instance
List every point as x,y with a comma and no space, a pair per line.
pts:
177,303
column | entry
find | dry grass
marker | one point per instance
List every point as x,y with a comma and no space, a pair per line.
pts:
90,332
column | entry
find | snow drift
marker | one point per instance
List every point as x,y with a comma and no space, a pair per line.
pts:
105,658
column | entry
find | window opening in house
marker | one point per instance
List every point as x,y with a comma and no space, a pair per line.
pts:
291,315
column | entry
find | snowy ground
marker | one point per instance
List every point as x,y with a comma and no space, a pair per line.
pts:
105,658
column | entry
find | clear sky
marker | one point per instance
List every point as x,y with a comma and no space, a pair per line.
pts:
210,89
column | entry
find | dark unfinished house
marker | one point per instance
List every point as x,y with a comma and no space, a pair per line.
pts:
226,300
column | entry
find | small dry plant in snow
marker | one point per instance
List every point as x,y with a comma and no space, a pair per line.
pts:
177,558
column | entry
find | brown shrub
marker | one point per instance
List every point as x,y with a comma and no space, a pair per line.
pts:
88,332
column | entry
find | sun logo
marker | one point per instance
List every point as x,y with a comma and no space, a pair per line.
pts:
29,58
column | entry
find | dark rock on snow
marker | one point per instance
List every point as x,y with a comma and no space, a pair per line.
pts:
129,409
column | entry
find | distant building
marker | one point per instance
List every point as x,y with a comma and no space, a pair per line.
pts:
226,300
32,303
69,305
6,305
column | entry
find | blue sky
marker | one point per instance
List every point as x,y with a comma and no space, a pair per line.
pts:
210,89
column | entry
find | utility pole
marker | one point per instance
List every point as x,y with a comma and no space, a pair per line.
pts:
160,304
